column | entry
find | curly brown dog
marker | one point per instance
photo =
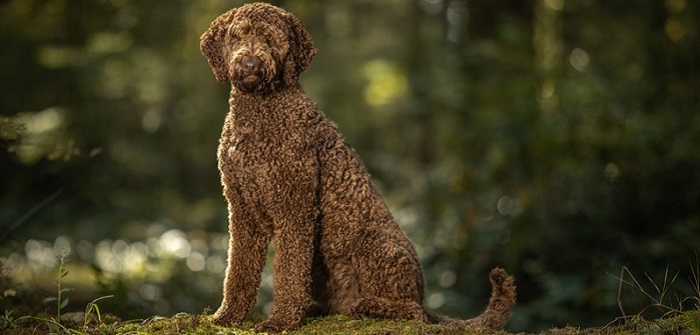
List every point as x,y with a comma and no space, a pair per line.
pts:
289,177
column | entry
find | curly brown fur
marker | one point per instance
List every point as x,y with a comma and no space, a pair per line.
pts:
290,178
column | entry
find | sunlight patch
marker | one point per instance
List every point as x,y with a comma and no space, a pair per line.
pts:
385,82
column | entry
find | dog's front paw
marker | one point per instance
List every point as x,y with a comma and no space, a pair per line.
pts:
225,318
276,325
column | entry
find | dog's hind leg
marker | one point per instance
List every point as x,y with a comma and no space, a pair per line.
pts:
375,307
390,281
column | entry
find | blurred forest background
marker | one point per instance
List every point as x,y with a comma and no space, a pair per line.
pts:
558,139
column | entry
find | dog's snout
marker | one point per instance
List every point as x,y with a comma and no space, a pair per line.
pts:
251,63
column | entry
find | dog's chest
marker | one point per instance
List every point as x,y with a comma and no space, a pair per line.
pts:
259,155
245,153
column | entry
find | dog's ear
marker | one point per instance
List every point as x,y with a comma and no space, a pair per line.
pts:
301,50
212,45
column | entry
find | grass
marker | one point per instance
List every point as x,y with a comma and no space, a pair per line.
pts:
659,293
92,311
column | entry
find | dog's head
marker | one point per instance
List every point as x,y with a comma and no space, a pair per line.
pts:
257,47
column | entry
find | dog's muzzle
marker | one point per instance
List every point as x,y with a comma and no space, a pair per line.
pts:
251,75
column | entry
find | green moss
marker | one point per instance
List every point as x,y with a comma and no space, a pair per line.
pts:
347,325
687,323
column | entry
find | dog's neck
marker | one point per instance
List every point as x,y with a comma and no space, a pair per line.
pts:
256,109
257,98
238,97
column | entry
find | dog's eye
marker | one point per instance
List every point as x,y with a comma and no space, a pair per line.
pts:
241,30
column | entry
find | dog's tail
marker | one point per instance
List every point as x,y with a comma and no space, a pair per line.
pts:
498,310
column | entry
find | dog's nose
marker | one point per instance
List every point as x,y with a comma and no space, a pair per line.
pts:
251,63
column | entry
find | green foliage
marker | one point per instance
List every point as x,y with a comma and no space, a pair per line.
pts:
59,300
92,310
7,320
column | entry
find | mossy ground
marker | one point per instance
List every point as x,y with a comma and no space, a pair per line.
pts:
687,323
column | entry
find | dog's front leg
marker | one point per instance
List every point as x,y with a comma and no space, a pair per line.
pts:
294,247
246,259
